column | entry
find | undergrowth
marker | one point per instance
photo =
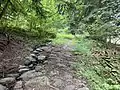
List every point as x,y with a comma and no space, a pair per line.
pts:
101,67
99,76
38,36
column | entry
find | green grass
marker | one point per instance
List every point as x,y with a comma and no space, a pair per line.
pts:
62,38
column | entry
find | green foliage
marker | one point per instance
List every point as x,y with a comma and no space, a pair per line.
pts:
98,17
102,21
35,18
101,68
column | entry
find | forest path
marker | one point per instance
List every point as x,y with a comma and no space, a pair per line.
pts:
56,73
47,67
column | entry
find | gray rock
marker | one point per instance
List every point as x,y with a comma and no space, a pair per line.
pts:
38,68
69,82
44,48
18,85
54,72
39,50
84,88
15,75
1,54
45,62
37,82
8,80
35,52
33,56
69,87
29,49
41,57
68,76
27,62
31,66
30,58
43,71
3,87
58,83
29,75
61,65
22,66
23,70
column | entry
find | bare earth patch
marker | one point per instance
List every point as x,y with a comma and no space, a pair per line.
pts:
11,55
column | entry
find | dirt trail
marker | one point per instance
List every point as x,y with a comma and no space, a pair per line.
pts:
57,72
63,76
